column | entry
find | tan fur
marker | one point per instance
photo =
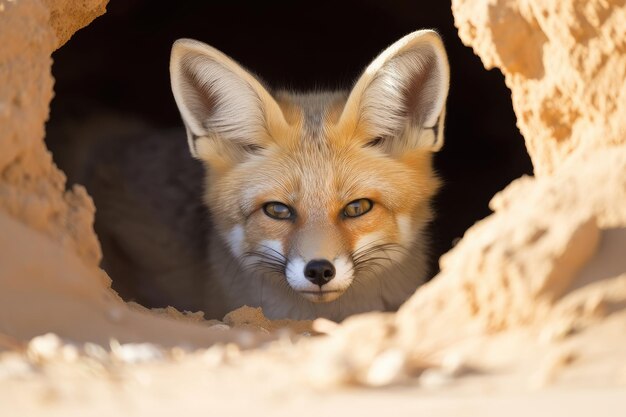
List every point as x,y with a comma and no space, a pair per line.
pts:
311,153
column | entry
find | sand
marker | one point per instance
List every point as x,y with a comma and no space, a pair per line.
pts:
528,314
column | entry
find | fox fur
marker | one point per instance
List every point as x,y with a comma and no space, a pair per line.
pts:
313,154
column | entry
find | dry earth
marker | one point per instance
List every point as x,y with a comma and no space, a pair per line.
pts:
528,314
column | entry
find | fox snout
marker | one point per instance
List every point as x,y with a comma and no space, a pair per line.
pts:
319,267
319,280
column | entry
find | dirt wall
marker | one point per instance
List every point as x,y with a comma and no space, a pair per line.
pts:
532,298
565,65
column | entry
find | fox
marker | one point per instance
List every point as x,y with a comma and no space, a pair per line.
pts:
306,204
318,201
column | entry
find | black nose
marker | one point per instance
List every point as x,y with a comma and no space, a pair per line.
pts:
319,271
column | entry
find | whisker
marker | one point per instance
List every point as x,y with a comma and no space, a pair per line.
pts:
373,259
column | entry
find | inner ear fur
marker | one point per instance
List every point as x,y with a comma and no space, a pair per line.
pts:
218,99
401,95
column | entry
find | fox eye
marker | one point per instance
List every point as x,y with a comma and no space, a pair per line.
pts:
358,207
278,211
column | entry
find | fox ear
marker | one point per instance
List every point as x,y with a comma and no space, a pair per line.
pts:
401,95
218,99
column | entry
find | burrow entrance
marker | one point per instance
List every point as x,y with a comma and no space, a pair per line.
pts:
112,82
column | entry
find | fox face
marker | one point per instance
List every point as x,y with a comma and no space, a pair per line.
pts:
323,194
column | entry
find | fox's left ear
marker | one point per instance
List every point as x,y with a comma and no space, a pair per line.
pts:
401,95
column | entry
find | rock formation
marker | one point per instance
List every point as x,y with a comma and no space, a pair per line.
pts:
565,64
532,296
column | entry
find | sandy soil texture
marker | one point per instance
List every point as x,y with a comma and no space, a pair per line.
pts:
528,314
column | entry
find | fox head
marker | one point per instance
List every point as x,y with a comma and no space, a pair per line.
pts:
323,191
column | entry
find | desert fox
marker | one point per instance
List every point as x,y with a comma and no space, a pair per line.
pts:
318,200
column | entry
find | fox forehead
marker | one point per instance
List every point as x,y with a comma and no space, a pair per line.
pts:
311,112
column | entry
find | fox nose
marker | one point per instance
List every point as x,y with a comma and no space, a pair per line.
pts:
319,271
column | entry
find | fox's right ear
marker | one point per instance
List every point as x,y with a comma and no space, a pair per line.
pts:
222,105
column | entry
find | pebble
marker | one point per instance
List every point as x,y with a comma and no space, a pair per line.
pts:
386,368
44,348
135,352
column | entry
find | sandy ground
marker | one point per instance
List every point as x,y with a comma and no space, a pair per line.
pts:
223,380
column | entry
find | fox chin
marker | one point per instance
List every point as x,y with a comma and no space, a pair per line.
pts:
318,200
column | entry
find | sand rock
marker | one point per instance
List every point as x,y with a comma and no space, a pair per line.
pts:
565,63
68,16
518,266
532,296
32,189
